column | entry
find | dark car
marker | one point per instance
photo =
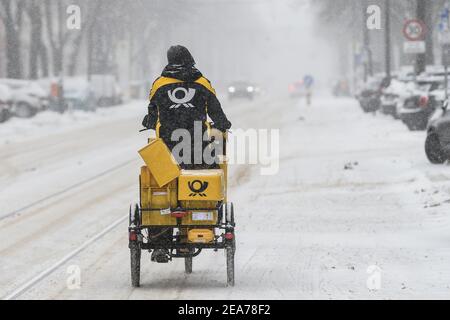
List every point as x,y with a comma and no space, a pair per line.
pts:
437,143
369,96
341,88
5,103
241,89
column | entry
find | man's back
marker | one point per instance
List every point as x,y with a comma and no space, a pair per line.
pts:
181,97
181,103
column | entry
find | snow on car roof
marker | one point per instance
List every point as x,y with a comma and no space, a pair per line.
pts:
5,92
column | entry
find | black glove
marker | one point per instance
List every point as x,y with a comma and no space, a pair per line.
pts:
145,122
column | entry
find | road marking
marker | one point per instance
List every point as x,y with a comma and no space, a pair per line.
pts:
19,291
67,189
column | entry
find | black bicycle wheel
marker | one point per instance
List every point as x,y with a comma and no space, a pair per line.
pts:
135,255
188,265
230,264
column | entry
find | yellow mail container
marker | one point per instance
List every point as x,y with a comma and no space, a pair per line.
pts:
200,235
156,201
204,185
160,162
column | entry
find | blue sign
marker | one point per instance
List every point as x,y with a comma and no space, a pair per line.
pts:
308,80
444,23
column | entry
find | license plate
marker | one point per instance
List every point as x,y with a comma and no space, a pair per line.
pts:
165,211
202,216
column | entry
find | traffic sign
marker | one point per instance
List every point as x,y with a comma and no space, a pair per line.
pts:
444,23
414,47
414,30
308,80
444,28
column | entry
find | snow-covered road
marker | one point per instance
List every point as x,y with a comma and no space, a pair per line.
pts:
314,230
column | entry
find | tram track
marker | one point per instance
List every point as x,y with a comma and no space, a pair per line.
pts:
48,271
66,189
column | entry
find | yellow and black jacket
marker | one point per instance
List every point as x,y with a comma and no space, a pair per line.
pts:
179,98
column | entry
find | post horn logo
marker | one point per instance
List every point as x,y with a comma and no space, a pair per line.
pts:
183,99
198,188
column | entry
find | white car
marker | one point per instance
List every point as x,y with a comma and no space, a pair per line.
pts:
106,90
78,94
5,103
391,96
28,97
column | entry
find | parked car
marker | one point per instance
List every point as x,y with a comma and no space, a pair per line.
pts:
437,142
79,95
341,88
297,89
369,95
390,97
28,97
241,89
417,103
106,90
6,103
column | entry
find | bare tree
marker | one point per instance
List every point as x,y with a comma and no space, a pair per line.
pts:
38,51
11,14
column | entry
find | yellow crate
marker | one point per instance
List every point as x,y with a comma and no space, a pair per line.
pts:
200,235
160,162
201,185
154,197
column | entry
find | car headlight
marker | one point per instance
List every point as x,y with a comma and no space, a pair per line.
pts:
231,89
250,89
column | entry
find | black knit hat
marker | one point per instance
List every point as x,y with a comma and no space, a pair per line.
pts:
180,55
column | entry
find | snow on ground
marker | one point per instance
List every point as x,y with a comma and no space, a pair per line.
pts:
52,123
354,198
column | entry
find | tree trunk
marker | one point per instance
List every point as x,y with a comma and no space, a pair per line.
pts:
14,64
34,13
44,62
74,55
12,29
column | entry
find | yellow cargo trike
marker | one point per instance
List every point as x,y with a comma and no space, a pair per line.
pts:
181,212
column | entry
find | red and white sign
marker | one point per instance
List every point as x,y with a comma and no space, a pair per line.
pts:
414,30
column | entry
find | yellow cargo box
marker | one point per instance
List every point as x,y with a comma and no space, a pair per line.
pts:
200,235
157,201
160,161
158,218
201,185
